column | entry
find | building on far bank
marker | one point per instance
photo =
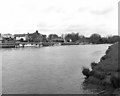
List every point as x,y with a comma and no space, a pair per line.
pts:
7,41
35,37
7,35
30,37
20,37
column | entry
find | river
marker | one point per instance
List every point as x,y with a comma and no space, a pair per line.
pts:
47,70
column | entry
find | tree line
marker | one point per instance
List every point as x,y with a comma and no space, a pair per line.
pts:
94,38
72,37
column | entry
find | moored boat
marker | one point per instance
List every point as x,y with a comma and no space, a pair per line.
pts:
7,45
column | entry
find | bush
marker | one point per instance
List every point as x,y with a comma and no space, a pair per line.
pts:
86,72
99,75
115,80
91,73
107,51
103,58
93,64
94,80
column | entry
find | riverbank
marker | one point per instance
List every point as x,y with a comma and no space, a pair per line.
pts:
105,73
34,44
40,44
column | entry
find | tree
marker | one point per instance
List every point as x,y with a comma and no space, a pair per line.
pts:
36,37
104,40
82,38
95,38
113,39
73,37
52,36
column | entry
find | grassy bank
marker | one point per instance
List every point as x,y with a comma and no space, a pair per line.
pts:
106,72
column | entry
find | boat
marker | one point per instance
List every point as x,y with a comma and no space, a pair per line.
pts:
7,45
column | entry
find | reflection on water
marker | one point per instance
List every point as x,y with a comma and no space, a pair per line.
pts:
47,70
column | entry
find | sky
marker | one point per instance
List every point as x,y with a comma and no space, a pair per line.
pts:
59,16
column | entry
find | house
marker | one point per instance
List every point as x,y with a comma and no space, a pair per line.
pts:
7,35
7,41
36,37
20,37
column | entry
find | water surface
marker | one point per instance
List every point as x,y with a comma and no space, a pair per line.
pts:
47,70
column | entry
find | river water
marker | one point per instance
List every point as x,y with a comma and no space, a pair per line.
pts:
47,70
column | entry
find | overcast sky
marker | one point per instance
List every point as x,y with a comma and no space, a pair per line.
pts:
59,16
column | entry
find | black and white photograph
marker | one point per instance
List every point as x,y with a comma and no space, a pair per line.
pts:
59,47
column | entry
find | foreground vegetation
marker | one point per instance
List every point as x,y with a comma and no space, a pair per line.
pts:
106,71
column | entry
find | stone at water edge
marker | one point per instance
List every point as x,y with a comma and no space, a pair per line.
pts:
86,72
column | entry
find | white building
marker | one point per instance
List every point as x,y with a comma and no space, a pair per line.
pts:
7,36
20,36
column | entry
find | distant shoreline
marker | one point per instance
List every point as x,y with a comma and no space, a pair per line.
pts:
35,44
